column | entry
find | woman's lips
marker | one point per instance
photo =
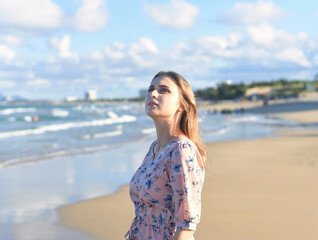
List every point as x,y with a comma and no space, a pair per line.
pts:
152,104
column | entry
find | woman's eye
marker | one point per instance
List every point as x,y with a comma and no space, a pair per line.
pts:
150,89
164,90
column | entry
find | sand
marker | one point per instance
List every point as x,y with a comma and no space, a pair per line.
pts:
305,116
254,190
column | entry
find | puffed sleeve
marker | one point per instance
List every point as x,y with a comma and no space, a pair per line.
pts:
186,177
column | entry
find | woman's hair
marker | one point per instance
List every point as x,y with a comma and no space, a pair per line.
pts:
189,117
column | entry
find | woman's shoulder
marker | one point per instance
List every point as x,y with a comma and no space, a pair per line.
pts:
182,146
186,149
184,143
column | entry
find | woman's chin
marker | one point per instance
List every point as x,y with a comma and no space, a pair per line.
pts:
151,114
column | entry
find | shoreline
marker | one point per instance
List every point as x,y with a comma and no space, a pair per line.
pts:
249,196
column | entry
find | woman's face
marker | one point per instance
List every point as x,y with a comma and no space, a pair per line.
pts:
162,100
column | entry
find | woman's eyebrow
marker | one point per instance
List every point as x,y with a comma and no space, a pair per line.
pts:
159,86
163,86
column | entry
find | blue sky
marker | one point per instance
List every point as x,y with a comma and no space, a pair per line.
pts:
51,49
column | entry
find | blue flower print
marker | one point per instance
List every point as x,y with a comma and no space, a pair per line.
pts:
161,219
155,201
167,198
177,168
148,184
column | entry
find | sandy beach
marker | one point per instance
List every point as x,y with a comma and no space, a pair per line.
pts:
305,116
254,190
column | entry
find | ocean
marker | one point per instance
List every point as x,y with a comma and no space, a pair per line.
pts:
57,154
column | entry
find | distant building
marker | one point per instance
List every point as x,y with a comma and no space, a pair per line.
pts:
91,95
71,99
6,98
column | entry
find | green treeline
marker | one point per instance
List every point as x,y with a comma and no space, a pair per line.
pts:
278,88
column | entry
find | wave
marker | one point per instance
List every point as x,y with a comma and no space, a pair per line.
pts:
66,126
56,112
101,135
9,111
245,119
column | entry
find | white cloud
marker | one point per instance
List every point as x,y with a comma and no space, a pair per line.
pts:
141,52
115,52
32,13
262,45
267,36
96,55
219,41
7,84
39,82
92,16
220,45
293,55
177,14
121,69
11,40
62,46
144,45
251,13
6,53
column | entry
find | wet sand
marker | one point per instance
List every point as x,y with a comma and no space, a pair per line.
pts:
254,190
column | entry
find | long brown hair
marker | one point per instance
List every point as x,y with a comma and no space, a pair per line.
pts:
189,118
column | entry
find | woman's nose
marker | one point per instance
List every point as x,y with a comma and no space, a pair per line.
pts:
154,93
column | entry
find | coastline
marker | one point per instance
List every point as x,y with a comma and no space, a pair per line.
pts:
261,189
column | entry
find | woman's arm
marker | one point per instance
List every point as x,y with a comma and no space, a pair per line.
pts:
183,234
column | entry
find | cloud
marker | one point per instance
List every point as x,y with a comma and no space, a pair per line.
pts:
219,41
92,16
62,47
178,14
144,45
6,53
39,82
267,36
263,46
251,13
118,69
32,14
11,40
7,84
143,51
293,55
115,52
139,53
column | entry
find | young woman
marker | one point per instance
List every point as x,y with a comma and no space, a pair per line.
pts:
166,188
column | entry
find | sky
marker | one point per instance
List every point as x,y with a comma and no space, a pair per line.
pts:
51,49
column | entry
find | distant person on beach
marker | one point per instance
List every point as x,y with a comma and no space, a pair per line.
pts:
166,188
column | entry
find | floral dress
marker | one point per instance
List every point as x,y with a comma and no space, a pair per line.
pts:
166,191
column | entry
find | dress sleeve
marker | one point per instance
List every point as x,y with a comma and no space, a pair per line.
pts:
186,177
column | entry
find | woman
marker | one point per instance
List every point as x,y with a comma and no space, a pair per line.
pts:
166,188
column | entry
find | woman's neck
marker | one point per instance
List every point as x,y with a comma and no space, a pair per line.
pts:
166,132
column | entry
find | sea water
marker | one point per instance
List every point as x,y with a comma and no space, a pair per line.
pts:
57,154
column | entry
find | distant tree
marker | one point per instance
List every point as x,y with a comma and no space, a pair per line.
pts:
223,91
